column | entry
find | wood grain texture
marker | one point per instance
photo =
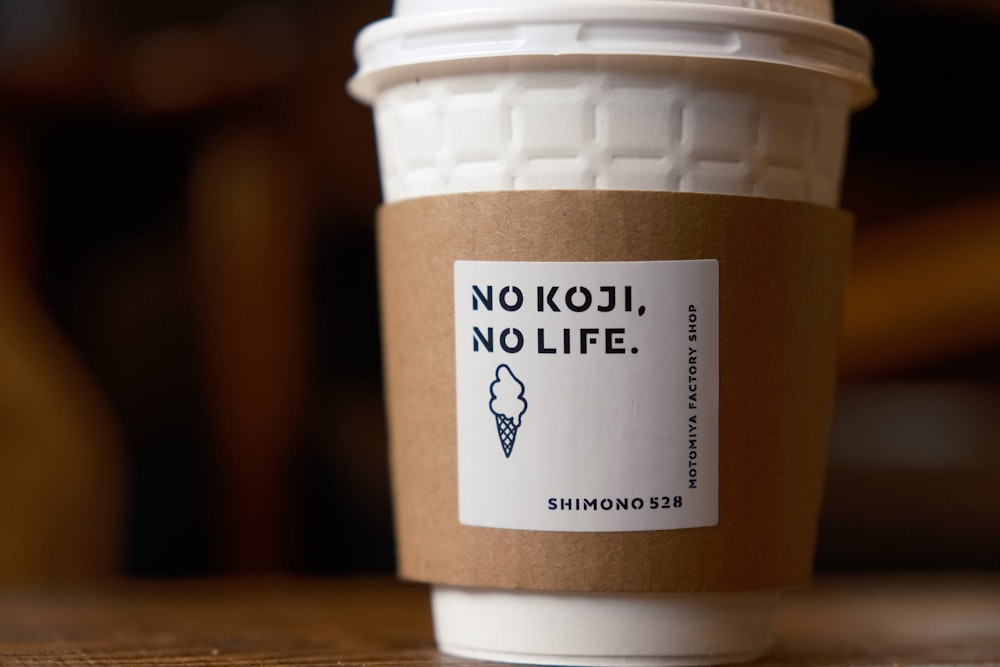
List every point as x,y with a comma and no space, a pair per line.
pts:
870,622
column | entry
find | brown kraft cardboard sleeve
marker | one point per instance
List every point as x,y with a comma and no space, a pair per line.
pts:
782,267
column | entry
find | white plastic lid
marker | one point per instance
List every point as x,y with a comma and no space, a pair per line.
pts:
433,37
820,10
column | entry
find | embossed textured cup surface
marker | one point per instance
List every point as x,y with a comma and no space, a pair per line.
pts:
692,128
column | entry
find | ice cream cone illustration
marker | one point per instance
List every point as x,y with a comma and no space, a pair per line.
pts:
507,433
508,405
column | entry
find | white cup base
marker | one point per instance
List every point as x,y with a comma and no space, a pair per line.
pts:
603,630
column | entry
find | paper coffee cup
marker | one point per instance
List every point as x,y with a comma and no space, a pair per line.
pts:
575,121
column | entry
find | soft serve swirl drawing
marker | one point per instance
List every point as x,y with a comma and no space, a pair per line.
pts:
508,406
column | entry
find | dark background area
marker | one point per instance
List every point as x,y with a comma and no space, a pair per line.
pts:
117,117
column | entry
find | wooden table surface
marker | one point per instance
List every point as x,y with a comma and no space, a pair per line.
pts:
871,621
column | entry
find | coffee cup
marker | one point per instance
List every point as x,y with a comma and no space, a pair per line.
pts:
612,270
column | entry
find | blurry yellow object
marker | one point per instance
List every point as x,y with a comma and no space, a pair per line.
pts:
923,290
60,462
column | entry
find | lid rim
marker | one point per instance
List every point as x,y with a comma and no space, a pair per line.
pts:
364,86
628,29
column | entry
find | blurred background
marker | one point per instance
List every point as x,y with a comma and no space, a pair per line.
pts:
189,345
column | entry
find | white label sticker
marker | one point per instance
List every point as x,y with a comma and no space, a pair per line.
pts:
587,394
